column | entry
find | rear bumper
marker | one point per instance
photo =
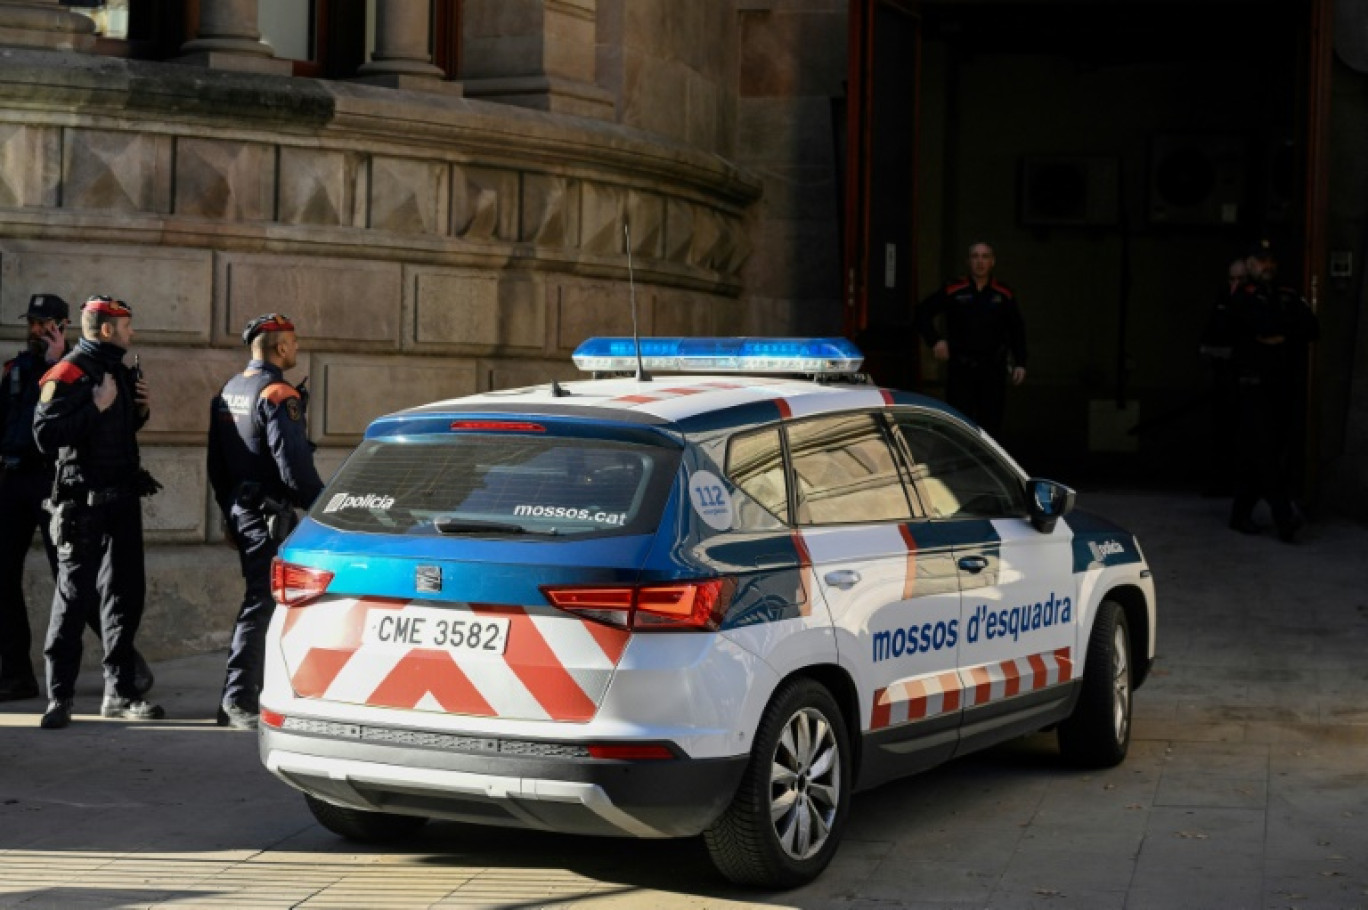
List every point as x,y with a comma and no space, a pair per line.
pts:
674,798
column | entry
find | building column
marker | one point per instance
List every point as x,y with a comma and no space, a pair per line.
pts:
45,23
541,54
229,39
403,48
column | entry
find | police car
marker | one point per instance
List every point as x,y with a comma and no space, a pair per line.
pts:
661,606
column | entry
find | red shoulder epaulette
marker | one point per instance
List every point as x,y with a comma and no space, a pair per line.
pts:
64,372
1001,288
277,392
958,285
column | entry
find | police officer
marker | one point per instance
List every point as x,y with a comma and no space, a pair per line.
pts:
26,477
982,328
261,467
1272,330
90,408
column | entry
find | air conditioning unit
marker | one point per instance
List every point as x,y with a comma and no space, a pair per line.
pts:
1069,190
1197,180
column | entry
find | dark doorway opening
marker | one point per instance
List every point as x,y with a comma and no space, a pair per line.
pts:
1119,155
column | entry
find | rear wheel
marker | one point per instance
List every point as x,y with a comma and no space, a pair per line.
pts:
786,820
1097,734
366,827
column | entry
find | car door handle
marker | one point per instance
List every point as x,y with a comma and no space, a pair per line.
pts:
973,564
845,579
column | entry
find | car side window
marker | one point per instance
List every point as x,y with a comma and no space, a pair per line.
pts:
956,475
755,463
844,471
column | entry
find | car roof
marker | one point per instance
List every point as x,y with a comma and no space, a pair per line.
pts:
685,402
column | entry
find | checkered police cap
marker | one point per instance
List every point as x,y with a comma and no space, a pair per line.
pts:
271,322
109,306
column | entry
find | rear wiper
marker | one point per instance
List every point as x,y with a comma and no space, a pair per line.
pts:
466,526
475,526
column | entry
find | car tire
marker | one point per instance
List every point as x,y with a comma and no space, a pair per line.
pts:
788,815
364,827
1097,734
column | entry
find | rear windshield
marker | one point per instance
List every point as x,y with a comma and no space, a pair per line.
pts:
473,484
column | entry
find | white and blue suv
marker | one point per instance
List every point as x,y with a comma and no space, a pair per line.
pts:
669,605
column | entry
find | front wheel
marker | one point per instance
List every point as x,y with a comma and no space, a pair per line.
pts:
786,820
364,827
1097,734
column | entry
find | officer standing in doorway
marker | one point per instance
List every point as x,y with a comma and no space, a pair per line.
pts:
982,329
1273,330
90,408
26,476
261,468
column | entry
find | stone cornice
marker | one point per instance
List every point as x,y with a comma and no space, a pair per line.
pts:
163,153
447,127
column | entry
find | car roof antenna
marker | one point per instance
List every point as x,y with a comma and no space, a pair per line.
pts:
641,374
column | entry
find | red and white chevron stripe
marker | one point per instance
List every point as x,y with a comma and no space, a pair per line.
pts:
555,667
995,681
941,693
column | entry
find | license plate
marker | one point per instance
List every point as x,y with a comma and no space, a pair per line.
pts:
443,630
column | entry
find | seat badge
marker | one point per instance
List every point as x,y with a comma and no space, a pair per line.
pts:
429,579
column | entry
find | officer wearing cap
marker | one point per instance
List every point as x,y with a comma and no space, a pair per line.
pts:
1272,330
982,328
261,468
25,481
90,408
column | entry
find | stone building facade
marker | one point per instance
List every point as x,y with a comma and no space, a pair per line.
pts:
431,237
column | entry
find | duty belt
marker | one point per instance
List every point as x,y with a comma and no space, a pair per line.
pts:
106,495
25,463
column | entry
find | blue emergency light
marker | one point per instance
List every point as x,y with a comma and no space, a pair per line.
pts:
721,355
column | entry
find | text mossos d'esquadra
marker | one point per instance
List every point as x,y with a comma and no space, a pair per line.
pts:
983,624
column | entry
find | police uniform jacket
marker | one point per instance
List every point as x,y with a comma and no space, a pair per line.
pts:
18,399
981,326
257,434
96,450
1261,312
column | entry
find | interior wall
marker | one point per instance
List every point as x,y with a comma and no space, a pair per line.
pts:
985,107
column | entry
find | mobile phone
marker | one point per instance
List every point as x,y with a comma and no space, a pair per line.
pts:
137,368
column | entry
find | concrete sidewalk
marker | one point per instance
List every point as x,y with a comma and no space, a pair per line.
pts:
1247,784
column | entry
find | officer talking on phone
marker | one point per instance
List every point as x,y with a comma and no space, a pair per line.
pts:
261,468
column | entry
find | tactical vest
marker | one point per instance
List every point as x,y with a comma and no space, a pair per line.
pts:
21,397
246,450
108,455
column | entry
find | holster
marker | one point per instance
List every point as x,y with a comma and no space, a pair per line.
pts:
281,518
62,520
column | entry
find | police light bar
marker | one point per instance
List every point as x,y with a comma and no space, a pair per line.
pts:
720,355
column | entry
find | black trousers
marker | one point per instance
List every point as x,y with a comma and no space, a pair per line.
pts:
246,656
978,390
21,513
99,573
1263,453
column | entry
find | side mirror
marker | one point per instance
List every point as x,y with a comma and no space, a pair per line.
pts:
1047,502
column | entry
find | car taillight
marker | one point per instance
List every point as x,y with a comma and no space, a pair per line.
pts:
294,586
690,605
272,718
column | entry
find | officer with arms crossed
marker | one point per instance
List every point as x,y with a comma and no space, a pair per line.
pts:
261,467
983,325
90,408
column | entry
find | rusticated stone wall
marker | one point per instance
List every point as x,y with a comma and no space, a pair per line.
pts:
427,246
